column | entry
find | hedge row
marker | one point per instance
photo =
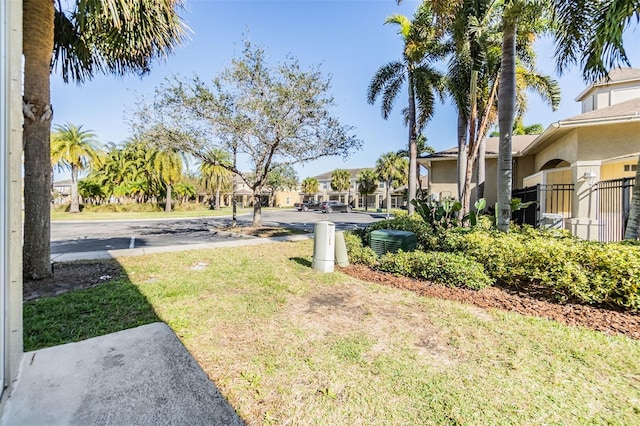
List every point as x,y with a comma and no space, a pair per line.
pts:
446,268
589,271
571,268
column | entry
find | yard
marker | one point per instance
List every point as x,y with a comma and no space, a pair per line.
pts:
288,345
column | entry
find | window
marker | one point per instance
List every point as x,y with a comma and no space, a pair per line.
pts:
381,185
630,167
325,185
288,201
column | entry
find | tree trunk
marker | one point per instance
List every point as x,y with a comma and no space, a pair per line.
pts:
257,208
481,173
506,111
389,198
37,48
167,206
217,206
75,205
462,155
633,224
413,148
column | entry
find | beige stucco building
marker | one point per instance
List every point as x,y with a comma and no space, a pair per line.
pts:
599,145
352,195
10,193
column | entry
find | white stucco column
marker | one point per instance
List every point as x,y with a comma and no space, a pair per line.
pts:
11,189
584,206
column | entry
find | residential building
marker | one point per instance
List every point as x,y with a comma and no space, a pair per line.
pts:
377,200
572,162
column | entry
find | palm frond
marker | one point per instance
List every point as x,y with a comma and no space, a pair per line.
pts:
382,77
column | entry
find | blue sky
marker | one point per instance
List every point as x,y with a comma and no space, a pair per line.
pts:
348,39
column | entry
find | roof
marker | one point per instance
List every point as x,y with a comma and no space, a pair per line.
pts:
353,172
616,76
624,112
518,144
628,108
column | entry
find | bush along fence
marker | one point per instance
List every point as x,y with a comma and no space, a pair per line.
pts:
566,267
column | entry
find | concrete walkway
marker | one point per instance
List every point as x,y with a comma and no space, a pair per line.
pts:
140,376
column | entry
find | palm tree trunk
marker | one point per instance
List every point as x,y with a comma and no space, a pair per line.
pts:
481,173
167,206
389,198
218,189
506,111
37,48
633,225
471,151
462,155
413,148
75,205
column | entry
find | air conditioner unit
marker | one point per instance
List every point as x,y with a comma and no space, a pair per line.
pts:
551,220
390,240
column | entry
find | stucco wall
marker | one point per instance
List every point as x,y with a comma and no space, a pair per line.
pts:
565,148
443,178
603,142
615,169
286,198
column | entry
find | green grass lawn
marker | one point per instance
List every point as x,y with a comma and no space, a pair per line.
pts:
285,343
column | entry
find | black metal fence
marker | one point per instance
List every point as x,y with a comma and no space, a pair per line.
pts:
614,203
552,204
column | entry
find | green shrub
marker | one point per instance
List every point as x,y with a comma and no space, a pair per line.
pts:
571,268
449,269
426,239
357,251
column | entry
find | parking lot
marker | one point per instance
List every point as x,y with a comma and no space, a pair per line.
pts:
86,236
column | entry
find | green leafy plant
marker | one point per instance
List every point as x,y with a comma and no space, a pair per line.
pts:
449,269
357,251
445,214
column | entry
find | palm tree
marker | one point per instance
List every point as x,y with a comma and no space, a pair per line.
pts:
390,167
367,184
590,33
340,181
421,47
514,12
168,166
98,36
215,173
74,149
310,186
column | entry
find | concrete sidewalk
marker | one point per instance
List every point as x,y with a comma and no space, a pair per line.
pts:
140,376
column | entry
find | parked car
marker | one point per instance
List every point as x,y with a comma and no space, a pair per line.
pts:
307,205
335,206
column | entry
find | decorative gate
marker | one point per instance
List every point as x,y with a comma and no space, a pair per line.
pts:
614,203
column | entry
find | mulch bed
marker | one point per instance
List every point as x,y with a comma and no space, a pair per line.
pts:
606,320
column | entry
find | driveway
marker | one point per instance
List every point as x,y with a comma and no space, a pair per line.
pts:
87,236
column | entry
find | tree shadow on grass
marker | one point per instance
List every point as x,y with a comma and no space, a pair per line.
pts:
91,304
302,261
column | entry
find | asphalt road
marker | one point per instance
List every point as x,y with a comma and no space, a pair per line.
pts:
87,236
